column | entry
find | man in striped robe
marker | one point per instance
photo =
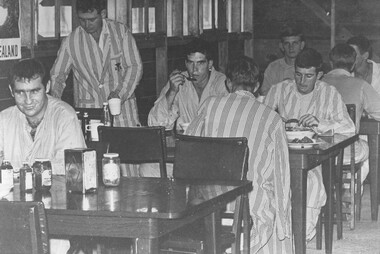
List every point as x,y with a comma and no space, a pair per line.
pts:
239,114
313,103
105,61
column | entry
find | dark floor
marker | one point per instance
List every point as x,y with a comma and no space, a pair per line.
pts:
365,238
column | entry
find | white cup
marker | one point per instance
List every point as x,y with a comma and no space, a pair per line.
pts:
93,128
115,106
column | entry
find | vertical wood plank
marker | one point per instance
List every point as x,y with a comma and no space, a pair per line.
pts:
177,18
236,16
193,17
222,15
169,20
57,19
333,25
111,9
161,67
26,18
248,27
200,16
222,55
161,17
248,16
75,21
146,17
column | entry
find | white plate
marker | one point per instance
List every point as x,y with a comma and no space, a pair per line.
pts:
302,145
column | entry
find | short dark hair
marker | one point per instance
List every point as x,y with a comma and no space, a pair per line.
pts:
291,30
91,5
308,58
27,69
342,56
362,43
200,46
243,72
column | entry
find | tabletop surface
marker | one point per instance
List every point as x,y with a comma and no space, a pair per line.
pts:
137,197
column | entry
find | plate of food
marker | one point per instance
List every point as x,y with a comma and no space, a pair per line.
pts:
302,143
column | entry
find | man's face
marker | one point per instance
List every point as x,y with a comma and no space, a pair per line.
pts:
305,79
30,97
198,66
292,46
91,22
360,59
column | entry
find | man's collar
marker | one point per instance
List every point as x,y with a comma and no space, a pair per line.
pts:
339,71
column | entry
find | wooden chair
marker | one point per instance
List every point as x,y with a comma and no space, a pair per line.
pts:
217,159
136,144
23,228
355,196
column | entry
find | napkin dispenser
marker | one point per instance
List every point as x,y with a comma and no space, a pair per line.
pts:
81,170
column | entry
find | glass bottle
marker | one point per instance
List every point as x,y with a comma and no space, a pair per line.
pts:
26,178
111,169
106,117
85,122
6,174
42,174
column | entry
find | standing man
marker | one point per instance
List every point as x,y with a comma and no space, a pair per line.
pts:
105,60
239,114
313,103
365,68
181,97
291,44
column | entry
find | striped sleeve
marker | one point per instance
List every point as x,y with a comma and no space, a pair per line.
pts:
60,70
133,63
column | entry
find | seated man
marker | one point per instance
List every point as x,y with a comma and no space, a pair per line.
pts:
39,126
365,68
239,114
313,103
354,91
291,44
181,97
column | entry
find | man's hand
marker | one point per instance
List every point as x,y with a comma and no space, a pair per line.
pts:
176,79
308,120
113,94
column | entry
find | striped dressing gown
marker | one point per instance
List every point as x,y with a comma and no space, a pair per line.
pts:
97,72
327,105
240,115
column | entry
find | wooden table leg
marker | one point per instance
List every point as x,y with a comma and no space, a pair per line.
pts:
374,174
298,184
144,245
328,173
212,233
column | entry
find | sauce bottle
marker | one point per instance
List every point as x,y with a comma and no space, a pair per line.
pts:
6,174
26,178
42,174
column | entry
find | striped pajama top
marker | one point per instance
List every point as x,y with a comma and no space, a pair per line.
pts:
240,115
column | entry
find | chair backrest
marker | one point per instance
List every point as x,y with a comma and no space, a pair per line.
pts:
137,144
210,158
23,228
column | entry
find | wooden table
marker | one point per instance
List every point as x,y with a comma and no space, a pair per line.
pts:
371,128
143,208
302,160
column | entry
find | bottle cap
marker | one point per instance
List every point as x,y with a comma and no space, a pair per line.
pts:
111,155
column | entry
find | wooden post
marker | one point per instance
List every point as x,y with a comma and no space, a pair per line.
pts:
248,27
332,23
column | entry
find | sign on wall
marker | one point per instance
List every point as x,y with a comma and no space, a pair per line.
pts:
10,40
